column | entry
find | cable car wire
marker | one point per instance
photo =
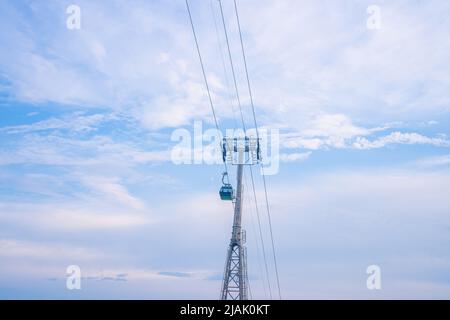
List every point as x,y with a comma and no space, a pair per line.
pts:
232,65
240,108
244,128
260,233
206,83
258,255
205,78
257,133
216,27
265,276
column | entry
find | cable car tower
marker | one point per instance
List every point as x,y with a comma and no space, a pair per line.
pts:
237,151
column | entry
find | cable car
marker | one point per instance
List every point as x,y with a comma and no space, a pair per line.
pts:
226,191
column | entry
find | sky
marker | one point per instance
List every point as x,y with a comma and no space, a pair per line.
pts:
88,115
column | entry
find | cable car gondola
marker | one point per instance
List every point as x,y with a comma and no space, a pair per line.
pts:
226,191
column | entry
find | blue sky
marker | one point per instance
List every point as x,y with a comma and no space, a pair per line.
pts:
86,118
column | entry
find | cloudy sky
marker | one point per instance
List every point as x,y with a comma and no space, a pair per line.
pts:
87,116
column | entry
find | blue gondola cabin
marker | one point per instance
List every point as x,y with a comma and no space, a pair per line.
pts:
226,192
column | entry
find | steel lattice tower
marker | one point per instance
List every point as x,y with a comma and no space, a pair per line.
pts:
234,285
241,151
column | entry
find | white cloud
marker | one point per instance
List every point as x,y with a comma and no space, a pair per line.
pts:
328,61
323,130
55,82
399,138
330,223
326,130
145,62
176,111
345,221
317,73
338,131
291,157
66,150
74,217
75,122
113,190
334,125
434,161
85,220
11,248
